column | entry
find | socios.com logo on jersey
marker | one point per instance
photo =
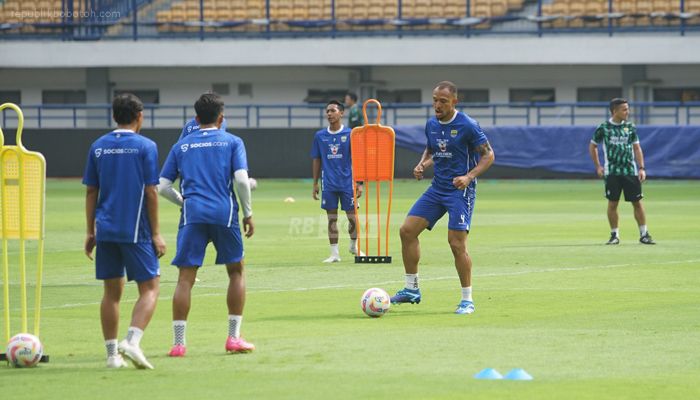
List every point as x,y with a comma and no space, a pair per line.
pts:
98,152
184,147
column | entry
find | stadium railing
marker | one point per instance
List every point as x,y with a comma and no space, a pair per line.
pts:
312,115
203,19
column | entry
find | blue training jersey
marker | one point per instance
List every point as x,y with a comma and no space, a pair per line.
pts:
121,164
453,147
336,165
205,162
193,126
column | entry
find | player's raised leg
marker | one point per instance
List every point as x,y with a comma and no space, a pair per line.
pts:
410,252
182,299
235,300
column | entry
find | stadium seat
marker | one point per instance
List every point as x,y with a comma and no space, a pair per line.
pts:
499,8
482,10
391,11
11,6
644,8
343,11
300,13
452,11
515,5
177,15
375,12
254,12
163,17
577,10
192,14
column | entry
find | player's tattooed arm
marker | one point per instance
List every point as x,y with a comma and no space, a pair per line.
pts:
485,149
485,161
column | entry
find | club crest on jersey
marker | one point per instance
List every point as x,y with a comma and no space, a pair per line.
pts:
442,144
334,148
626,129
453,133
343,139
98,152
184,147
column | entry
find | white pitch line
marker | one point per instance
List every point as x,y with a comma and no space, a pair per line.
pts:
348,286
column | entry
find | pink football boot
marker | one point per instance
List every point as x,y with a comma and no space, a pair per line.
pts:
238,345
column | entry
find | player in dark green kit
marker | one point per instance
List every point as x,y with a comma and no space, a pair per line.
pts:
354,115
624,167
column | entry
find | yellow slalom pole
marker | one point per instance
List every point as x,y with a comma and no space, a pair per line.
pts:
40,262
5,260
22,222
6,287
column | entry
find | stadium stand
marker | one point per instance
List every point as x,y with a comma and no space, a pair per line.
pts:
162,18
624,13
351,15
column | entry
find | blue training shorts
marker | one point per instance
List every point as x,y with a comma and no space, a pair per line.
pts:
458,204
192,241
139,260
329,200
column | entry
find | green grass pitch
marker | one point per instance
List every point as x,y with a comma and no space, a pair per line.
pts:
588,321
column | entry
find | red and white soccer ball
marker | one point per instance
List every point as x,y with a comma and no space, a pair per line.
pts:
253,183
375,302
24,350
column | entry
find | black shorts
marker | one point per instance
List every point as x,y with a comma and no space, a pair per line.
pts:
614,184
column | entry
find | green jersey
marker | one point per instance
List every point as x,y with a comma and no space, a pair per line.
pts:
617,140
354,117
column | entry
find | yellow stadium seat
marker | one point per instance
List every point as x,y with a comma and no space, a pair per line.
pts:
254,13
163,16
452,11
515,4
300,13
499,8
482,10
375,12
391,11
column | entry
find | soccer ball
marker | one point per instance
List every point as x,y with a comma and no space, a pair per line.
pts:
24,350
375,302
253,183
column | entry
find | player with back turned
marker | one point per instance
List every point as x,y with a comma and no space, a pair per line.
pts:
121,209
209,163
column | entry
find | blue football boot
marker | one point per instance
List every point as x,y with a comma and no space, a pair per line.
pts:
406,296
465,307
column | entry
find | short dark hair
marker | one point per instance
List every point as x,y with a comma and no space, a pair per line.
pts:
340,105
447,85
352,95
208,108
617,101
126,108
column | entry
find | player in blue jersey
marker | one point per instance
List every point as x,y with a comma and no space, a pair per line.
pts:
332,164
209,163
460,152
192,126
121,207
